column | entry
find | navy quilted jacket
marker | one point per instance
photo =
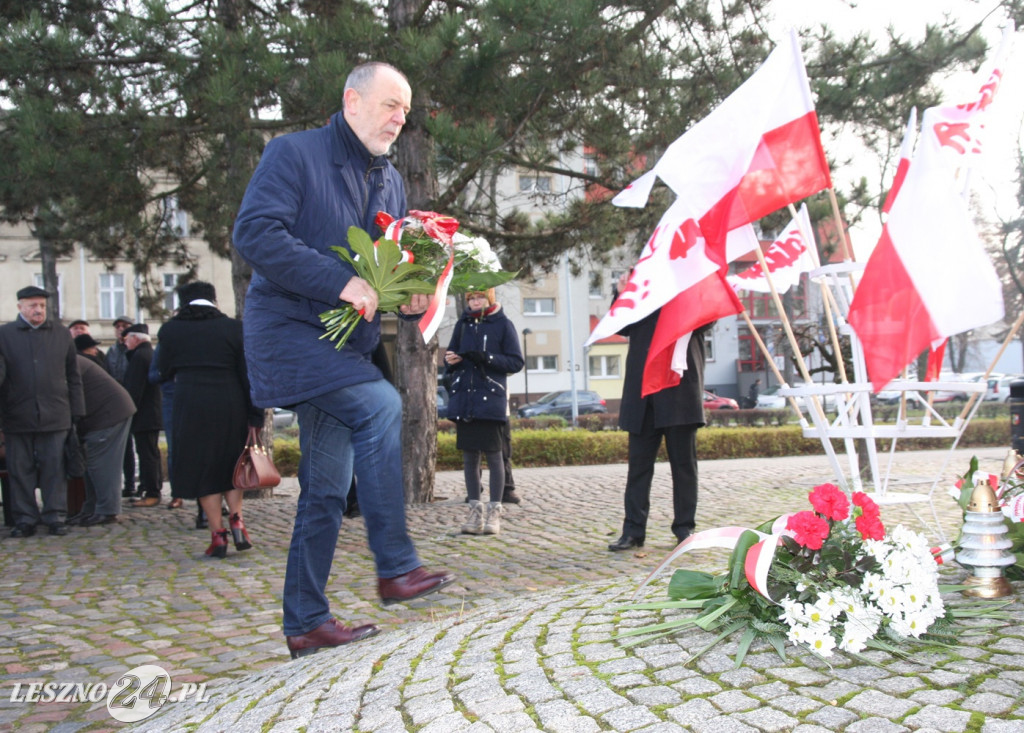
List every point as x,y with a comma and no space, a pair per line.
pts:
308,189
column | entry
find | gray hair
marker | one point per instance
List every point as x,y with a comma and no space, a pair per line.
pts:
361,76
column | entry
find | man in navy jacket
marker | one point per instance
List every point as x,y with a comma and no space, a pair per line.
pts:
308,189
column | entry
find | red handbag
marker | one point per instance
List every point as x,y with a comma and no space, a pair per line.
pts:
254,468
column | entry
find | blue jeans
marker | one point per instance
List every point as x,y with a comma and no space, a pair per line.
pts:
353,428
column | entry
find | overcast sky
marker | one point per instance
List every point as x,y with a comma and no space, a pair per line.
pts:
994,183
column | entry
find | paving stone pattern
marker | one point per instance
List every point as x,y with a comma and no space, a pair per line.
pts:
523,641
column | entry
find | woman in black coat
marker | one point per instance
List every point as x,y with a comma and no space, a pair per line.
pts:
201,350
483,351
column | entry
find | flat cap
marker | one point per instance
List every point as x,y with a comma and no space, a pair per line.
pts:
84,341
137,328
32,292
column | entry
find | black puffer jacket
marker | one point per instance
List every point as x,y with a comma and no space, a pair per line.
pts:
478,388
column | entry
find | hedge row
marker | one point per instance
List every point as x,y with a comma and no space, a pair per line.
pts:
536,447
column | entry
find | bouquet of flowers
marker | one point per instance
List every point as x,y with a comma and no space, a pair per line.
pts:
828,578
1009,491
421,253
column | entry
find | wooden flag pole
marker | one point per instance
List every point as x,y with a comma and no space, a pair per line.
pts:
768,358
826,297
788,328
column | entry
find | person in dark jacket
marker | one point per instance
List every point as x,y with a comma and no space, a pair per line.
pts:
201,354
40,395
147,422
309,188
117,365
104,433
88,347
483,351
673,414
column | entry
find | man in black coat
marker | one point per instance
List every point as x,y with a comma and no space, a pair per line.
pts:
40,395
147,422
674,414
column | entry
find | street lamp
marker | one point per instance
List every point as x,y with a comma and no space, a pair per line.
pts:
526,369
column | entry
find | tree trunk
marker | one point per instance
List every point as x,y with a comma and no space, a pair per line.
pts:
416,362
48,263
241,273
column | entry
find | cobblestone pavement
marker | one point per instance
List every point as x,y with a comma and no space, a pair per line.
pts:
521,642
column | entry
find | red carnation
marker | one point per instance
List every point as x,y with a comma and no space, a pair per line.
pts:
870,527
867,505
809,530
437,226
830,501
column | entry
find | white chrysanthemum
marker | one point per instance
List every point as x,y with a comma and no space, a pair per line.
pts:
479,249
878,549
892,599
909,540
855,635
872,582
819,639
912,624
792,611
798,633
826,608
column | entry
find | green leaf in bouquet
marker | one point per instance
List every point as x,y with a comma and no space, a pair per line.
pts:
467,282
695,584
738,559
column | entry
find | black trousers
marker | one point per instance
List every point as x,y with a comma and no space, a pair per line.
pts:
681,445
129,465
37,460
151,478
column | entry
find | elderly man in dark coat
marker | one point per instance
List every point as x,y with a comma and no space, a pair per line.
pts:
104,433
674,414
40,394
148,422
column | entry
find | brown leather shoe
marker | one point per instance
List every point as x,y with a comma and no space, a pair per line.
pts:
414,584
328,634
147,501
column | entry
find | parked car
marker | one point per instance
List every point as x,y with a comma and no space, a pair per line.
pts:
283,418
714,402
770,399
999,387
442,403
560,403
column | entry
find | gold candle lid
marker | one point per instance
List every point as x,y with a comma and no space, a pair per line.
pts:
983,499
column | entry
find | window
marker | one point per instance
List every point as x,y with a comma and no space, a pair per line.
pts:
604,366
538,306
37,280
170,297
174,218
595,282
709,345
534,184
111,295
542,363
590,164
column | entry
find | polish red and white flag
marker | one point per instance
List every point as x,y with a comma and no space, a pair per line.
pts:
906,153
793,253
758,151
929,276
